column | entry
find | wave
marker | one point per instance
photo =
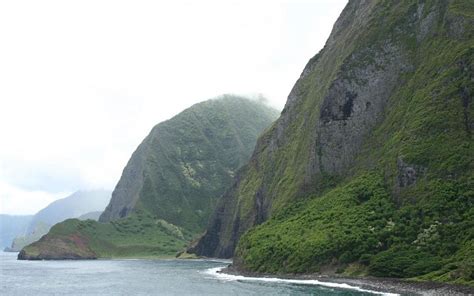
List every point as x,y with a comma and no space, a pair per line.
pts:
215,272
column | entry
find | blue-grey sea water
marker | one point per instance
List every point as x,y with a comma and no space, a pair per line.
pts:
143,277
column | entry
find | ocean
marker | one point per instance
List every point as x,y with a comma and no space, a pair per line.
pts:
147,277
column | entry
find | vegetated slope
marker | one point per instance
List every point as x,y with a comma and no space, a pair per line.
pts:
369,169
72,206
12,226
137,236
170,185
185,164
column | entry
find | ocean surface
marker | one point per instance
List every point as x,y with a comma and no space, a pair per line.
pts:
146,277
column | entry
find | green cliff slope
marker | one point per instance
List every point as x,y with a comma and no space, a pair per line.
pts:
369,169
185,164
169,187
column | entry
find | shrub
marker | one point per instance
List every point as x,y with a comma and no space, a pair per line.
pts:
403,262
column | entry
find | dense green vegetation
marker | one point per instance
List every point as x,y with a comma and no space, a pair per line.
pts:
345,223
187,162
204,149
401,205
358,228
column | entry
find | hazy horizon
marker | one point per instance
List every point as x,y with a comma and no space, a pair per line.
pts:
82,83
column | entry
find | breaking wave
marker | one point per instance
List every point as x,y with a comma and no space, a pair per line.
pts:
215,272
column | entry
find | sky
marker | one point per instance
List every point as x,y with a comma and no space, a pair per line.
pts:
83,82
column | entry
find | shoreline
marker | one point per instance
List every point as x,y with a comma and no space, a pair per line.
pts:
383,285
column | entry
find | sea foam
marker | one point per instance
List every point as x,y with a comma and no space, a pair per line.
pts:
215,272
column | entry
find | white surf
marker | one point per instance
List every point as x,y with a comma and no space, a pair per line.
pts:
215,272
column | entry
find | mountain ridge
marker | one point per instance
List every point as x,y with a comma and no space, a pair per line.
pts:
379,121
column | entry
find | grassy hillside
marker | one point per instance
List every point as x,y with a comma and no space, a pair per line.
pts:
137,236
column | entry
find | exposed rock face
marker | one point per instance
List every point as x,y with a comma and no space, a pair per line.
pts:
23,255
341,97
408,174
126,193
74,247
326,114
354,104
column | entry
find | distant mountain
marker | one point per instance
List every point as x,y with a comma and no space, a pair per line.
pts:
12,226
74,206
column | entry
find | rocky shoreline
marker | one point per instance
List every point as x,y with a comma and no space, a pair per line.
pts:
387,285
22,255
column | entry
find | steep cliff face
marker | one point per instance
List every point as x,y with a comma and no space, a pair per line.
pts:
182,167
382,116
318,134
169,187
